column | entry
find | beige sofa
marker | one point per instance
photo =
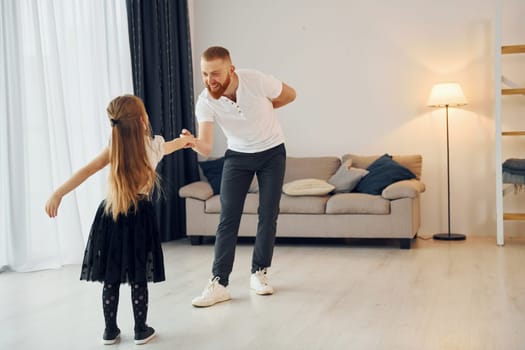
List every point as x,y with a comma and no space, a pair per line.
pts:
393,214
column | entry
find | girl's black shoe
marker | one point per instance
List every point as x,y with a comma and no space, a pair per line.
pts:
145,336
110,336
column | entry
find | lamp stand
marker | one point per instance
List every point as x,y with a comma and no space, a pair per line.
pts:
448,236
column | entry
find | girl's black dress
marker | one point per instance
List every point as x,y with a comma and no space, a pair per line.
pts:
126,250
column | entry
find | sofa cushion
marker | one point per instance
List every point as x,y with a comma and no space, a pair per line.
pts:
212,170
213,205
413,163
251,204
357,203
303,204
383,172
307,187
310,168
346,178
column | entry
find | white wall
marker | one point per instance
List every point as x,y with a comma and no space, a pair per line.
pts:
363,72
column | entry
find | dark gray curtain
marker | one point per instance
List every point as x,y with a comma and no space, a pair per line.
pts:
162,76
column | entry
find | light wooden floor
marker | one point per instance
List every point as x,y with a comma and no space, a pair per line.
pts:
438,295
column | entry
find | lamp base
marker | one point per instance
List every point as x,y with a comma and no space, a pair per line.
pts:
449,236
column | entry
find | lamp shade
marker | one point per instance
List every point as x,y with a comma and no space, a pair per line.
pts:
446,94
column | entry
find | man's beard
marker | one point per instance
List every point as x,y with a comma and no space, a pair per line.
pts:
222,87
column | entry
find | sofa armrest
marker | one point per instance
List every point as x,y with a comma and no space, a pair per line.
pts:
403,189
199,190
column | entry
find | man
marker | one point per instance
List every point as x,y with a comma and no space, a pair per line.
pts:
242,102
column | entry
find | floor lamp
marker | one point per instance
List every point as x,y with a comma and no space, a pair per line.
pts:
445,95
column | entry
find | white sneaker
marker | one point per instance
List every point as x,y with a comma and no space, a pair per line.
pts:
213,293
259,283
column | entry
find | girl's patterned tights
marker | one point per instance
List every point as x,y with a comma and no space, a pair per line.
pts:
110,294
139,300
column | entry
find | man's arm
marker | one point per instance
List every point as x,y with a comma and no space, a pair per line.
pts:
204,143
74,181
287,95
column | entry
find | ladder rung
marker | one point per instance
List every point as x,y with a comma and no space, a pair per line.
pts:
513,133
520,91
514,216
510,49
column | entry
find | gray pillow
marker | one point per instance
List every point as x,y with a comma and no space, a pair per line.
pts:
346,179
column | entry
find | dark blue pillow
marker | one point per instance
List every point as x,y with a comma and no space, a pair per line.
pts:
212,169
383,172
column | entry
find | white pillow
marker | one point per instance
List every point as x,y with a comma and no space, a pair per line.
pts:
307,187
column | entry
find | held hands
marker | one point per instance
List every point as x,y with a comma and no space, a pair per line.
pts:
177,144
52,205
203,144
189,139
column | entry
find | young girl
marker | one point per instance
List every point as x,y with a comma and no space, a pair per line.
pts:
124,244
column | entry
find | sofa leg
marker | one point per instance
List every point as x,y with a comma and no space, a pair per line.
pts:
195,240
404,243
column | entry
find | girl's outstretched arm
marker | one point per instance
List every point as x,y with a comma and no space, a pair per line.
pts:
74,181
178,143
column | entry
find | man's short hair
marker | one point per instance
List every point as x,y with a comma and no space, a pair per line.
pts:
215,52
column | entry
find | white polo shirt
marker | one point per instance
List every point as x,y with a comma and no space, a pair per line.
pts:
250,124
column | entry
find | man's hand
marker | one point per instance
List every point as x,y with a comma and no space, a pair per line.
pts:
287,95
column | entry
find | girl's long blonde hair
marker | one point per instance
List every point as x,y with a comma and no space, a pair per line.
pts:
131,175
